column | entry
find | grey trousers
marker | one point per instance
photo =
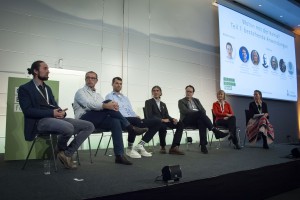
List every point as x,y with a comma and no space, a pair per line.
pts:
65,129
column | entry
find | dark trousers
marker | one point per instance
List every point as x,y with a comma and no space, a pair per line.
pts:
230,123
109,120
152,124
201,121
177,136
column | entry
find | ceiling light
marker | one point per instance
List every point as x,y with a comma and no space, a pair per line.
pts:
259,5
281,16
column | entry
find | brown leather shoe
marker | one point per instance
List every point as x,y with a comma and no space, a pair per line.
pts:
163,150
122,160
66,161
176,151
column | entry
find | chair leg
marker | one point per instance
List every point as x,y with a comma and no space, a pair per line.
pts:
107,145
53,154
211,139
245,138
90,149
186,140
29,152
77,154
98,145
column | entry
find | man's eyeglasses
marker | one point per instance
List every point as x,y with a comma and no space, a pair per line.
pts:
188,91
92,78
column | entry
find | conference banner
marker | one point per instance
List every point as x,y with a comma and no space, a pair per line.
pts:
16,148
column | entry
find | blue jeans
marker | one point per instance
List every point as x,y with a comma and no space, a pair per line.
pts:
109,120
66,128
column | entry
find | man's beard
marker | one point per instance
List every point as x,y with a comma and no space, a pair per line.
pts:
43,78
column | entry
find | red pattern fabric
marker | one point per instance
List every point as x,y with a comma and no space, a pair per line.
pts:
253,129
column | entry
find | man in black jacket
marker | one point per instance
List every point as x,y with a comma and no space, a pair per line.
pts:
42,114
157,109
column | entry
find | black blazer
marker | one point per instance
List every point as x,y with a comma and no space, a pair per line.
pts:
152,110
253,109
184,108
29,98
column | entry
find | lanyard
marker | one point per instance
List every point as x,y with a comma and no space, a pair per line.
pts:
45,97
222,106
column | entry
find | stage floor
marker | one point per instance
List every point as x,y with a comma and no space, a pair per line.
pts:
103,177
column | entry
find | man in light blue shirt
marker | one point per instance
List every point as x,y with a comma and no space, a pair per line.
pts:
126,110
90,106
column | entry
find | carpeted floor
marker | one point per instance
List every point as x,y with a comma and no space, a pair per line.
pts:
104,177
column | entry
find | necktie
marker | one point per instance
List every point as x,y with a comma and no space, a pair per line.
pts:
42,89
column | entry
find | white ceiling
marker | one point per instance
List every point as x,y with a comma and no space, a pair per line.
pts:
286,12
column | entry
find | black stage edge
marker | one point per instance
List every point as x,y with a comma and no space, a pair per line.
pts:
255,184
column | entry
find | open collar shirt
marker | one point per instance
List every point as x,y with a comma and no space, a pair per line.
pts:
125,107
85,100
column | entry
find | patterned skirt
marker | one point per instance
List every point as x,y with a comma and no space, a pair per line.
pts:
253,127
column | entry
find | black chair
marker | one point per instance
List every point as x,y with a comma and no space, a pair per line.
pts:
99,131
188,140
221,128
96,131
46,136
247,117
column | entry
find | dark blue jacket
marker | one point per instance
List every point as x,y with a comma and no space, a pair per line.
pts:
29,100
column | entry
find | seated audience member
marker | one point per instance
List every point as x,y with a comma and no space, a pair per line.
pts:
192,113
42,114
157,109
259,126
90,106
225,116
127,111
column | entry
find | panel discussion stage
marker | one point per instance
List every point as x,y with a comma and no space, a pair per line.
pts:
225,173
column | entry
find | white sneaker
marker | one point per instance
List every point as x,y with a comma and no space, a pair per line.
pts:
132,153
140,149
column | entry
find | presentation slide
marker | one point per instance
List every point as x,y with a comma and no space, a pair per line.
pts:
255,56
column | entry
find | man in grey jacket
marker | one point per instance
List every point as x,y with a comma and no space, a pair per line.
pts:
192,113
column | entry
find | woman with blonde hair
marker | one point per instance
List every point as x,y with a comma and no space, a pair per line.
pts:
225,117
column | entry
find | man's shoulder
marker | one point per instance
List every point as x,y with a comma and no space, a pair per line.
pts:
149,100
28,84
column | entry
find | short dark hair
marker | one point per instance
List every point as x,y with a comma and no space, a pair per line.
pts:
116,78
34,66
91,72
190,87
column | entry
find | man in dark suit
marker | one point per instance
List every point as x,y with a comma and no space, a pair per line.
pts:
156,109
192,113
42,114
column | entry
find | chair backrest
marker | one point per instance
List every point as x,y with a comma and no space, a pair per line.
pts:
145,113
247,114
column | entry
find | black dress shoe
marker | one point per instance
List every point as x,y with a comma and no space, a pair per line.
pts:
237,146
204,149
219,134
139,131
265,143
122,160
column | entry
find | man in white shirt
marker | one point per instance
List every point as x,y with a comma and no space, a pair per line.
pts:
126,110
90,106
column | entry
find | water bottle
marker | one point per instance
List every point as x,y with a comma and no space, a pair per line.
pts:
46,167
